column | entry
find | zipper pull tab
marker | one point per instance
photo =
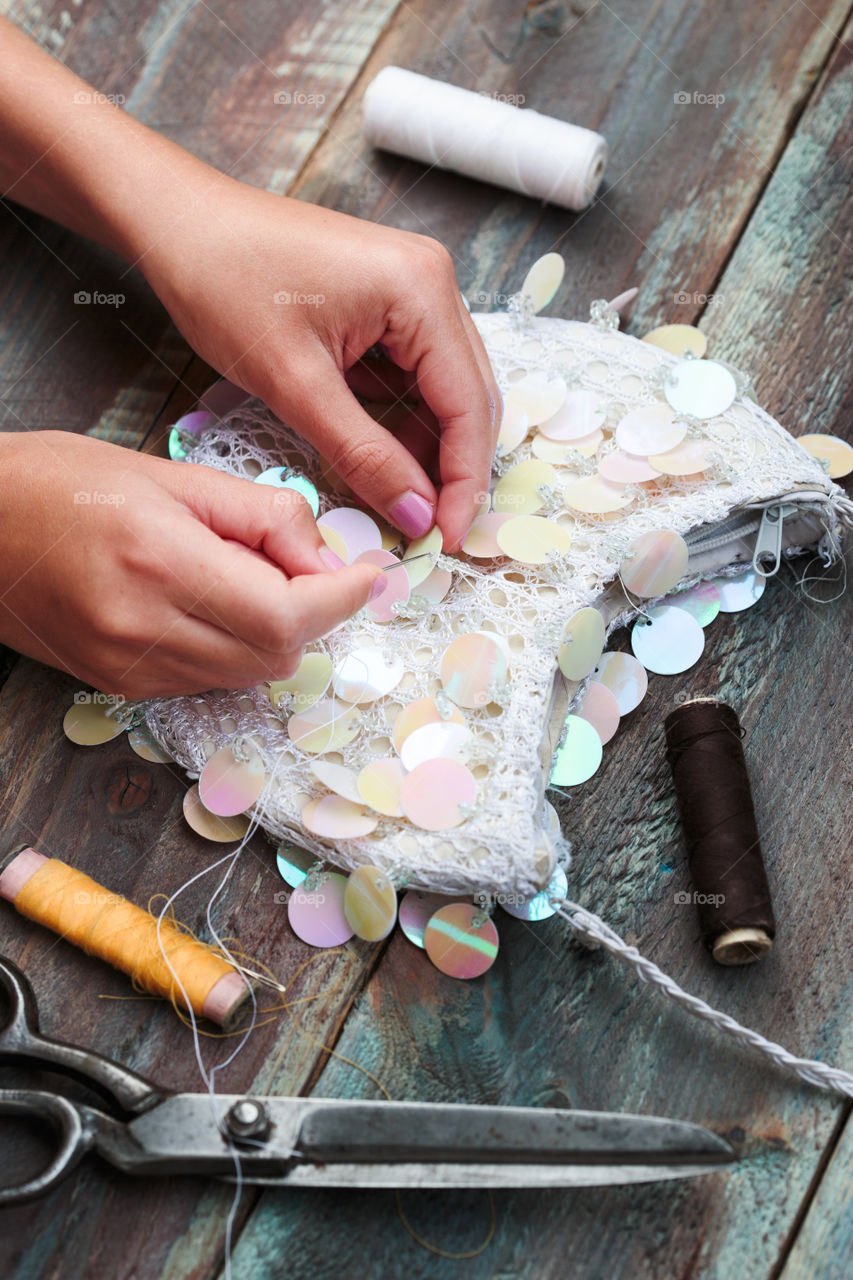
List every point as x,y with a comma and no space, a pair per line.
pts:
767,555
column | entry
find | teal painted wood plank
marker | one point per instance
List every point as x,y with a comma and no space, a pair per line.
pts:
681,181
555,1024
597,1011
824,1244
61,798
784,307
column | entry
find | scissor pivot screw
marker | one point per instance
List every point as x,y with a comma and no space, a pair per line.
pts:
247,1119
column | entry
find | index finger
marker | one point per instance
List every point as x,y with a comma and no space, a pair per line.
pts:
452,384
249,597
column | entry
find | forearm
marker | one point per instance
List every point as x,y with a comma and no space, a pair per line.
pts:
280,296
70,154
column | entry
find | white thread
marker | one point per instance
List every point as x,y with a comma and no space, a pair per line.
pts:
209,1078
483,137
590,928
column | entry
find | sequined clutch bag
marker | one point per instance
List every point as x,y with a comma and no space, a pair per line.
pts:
421,736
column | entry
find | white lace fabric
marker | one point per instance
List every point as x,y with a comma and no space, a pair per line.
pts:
508,843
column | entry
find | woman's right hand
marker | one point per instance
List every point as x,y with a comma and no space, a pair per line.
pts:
142,577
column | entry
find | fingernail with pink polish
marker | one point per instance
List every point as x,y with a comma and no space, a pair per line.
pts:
379,585
328,557
413,514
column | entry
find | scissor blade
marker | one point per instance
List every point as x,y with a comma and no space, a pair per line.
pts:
335,1131
324,1141
414,1174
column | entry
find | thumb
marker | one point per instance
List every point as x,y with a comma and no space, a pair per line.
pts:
277,523
375,465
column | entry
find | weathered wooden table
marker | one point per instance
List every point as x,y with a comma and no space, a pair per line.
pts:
736,215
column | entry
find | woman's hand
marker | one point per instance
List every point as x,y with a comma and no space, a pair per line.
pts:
281,296
142,577
173,579
285,298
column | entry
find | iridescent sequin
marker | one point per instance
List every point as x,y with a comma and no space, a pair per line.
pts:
625,677
517,493
540,907
336,818
481,540
470,666
741,591
90,723
422,711
379,785
144,745
532,539
701,601
460,941
669,642
543,280
370,903
653,428
677,339
293,864
835,455
600,709
701,388
317,915
231,781
582,644
325,726
365,674
537,395
416,910
593,495
654,563
356,529
210,825
432,793
308,683
581,413
578,755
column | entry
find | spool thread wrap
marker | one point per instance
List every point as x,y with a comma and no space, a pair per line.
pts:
107,925
471,133
705,754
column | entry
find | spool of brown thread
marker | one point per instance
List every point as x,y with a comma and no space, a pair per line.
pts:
706,757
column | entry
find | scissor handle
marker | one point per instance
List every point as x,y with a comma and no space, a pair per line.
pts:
68,1122
22,1041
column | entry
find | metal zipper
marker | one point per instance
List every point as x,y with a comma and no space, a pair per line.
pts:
730,531
766,520
767,553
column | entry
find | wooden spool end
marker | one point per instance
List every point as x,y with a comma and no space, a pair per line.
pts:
741,946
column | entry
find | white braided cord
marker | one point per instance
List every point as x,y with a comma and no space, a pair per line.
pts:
591,929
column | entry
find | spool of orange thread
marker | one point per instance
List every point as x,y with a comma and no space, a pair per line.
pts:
105,924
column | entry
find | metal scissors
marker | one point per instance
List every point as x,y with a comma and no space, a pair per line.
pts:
299,1142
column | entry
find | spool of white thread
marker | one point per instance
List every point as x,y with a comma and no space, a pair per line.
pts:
471,133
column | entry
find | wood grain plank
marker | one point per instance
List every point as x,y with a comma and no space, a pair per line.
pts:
681,181
207,75
60,798
423,1037
81,369
824,1244
553,1023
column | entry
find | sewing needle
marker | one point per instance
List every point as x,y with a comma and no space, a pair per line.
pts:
409,560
